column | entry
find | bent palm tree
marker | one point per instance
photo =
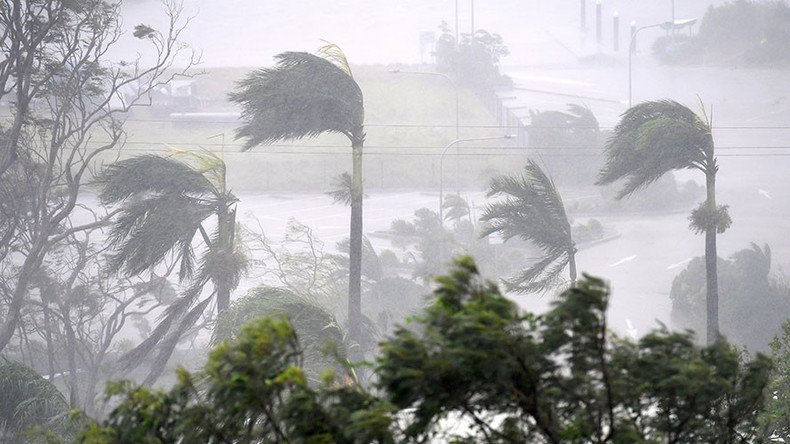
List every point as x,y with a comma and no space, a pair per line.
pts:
306,95
653,138
164,206
532,210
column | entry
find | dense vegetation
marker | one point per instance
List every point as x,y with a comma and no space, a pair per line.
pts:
739,32
754,301
475,369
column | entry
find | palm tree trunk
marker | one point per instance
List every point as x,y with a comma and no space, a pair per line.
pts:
226,232
355,247
572,265
711,258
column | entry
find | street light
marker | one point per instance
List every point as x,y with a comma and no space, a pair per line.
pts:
457,109
441,162
665,25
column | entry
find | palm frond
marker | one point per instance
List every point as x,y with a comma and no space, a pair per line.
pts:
304,95
313,323
168,322
208,165
343,186
168,344
456,206
372,269
753,261
334,54
583,117
145,174
28,399
532,210
542,276
146,231
651,139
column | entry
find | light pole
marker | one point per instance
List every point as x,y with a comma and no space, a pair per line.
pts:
457,111
441,163
665,25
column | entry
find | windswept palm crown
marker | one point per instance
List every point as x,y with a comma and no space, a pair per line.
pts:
531,209
164,204
653,138
305,95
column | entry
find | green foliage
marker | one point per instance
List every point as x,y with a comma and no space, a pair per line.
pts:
702,219
665,194
531,209
475,369
315,326
455,207
560,377
474,60
251,390
651,139
30,406
775,420
753,304
304,95
163,205
739,32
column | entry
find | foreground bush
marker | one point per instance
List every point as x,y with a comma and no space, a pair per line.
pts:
479,370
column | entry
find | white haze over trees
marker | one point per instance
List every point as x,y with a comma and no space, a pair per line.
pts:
172,171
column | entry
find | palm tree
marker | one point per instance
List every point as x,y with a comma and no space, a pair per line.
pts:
315,325
306,95
29,400
532,210
165,204
653,138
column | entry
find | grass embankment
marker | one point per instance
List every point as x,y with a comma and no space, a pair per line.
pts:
409,119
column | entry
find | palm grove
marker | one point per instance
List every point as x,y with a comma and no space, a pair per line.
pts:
470,357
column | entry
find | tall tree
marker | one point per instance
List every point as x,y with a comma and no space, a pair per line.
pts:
165,204
653,138
65,92
532,209
306,95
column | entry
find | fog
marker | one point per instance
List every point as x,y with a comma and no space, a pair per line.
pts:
88,295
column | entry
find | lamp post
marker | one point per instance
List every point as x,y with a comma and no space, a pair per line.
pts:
665,25
441,163
457,110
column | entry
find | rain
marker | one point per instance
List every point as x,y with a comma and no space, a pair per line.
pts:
403,221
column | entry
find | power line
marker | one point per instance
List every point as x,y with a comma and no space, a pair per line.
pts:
451,126
488,153
266,148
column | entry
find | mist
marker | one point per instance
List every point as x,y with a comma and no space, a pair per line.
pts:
171,172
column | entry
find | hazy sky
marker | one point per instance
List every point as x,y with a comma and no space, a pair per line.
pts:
249,32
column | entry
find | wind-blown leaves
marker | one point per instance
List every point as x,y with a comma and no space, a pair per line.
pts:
315,326
343,189
532,209
147,230
163,206
652,139
149,174
456,206
27,400
304,95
